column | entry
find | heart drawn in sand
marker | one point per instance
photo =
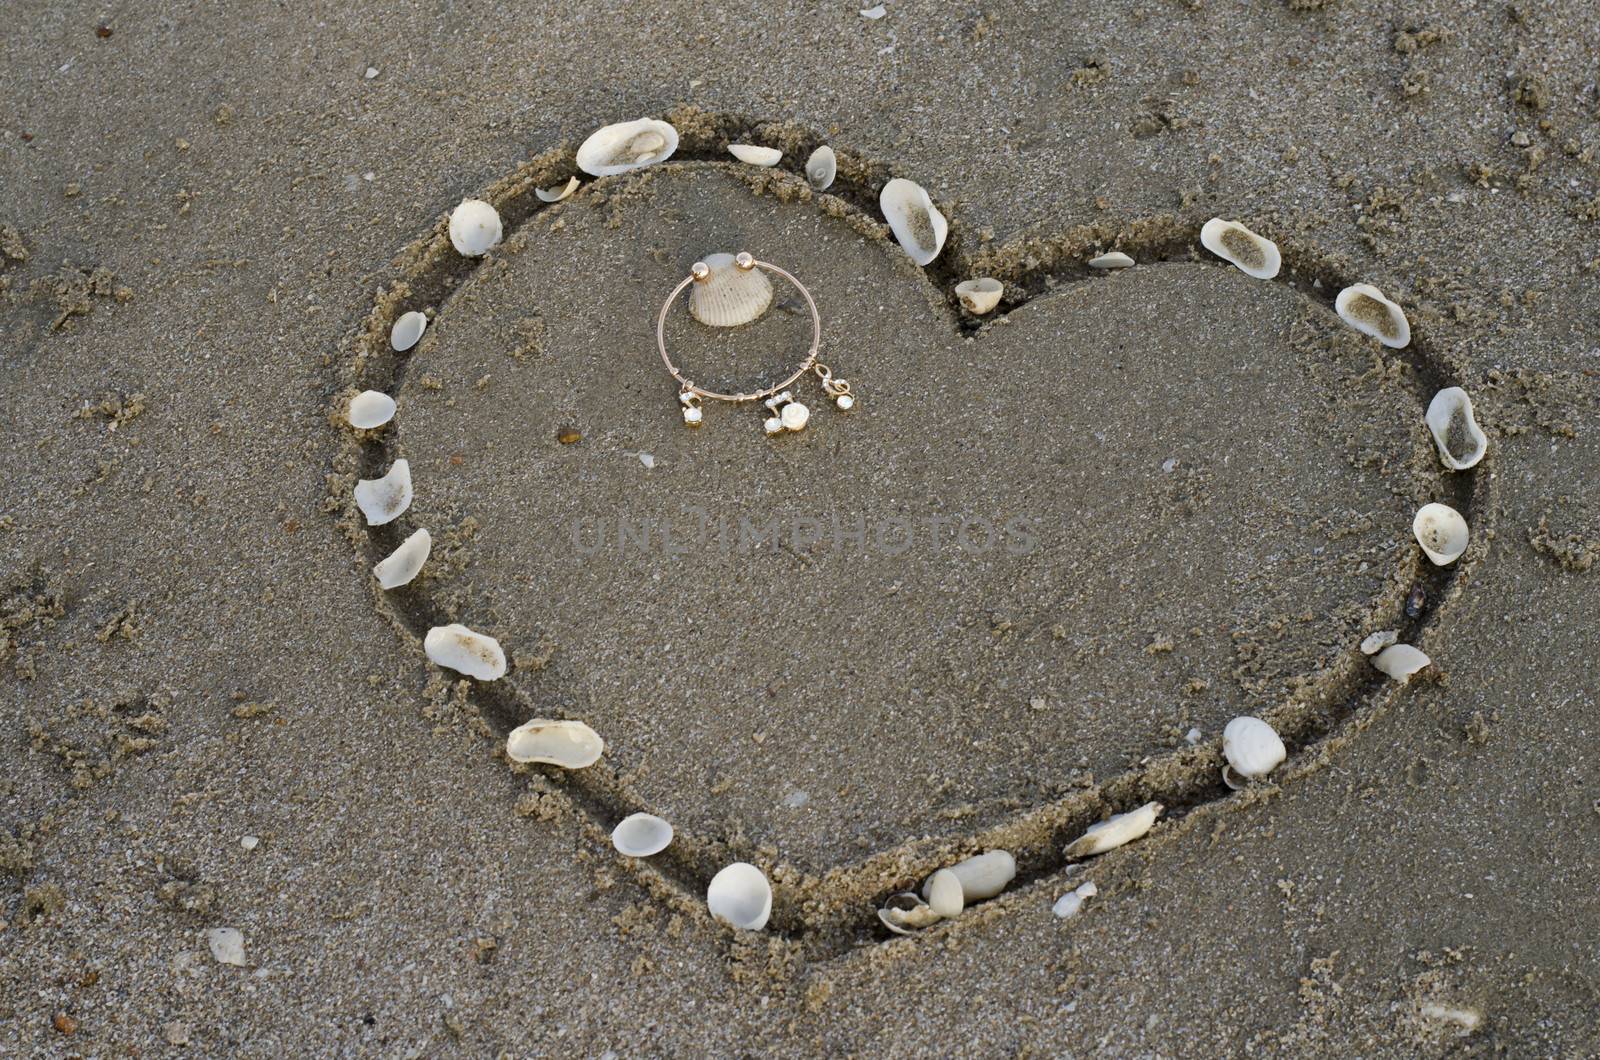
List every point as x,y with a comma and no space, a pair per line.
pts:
981,609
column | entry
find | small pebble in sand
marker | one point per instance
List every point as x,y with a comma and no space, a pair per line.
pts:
917,224
1365,308
1193,736
796,799
647,460
227,946
1251,254
569,435
383,500
1415,600
1376,642
756,155
372,71
874,13
474,228
1068,905
176,1033
407,331
459,648
1114,831
249,842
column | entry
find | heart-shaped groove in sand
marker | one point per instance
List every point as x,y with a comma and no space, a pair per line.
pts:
828,908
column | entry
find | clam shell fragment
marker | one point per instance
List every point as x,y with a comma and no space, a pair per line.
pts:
981,295
407,331
905,913
474,228
1461,441
740,897
729,296
568,744
557,193
1376,642
369,409
1114,831
756,155
405,562
1365,308
640,835
1116,259
1251,254
382,500
627,145
1253,749
460,649
1400,661
1442,533
915,221
821,168
1068,905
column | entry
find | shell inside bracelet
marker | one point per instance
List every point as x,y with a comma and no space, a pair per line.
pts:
729,296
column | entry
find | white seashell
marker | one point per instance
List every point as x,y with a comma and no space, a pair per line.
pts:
474,228
641,835
740,896
944,893
1364,308
403,564
1442,533
407,331
249,842
729,296
1114,831
1376,642
905,913
874,13
459,648
1067,905
1461,441
821,168
1193,736
1465,1019
981,876
370,409
915,221
1231,241
227,946
1400,661
556,194
568,744
1252,749
980,296
382,500
1114,260
627,145
755,155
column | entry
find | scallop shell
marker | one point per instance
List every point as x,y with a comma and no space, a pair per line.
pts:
568,744
905,913
556,194
459,648
755,155
1442,533
729,296
627,145
1114,831
981,876
369,409
1114,260
944,893
1461,441
821,168
915,221
1252,748
1231,241
981,295
474,228
403,564
1400,661
1365,308
641,835
407,331
740,897
382,500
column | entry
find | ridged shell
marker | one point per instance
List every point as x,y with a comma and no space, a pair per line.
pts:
459,648
821,168
1365,308
640,835
981,295
1442,533
915,221
1461,441
756,155
405,562
382,500
370,409
627,145
474,228
1251,254
740,896
568,744
730,296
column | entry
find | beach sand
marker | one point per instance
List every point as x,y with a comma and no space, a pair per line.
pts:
1139,503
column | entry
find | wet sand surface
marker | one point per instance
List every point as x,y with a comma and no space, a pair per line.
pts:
205,211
